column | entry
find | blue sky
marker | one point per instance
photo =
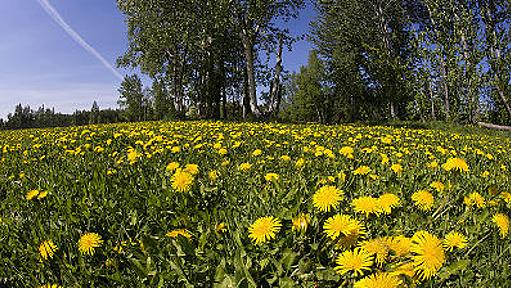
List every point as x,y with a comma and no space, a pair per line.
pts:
41,64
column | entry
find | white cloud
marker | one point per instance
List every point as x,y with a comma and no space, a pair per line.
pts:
54,14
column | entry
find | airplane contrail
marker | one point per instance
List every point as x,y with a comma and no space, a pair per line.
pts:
55,15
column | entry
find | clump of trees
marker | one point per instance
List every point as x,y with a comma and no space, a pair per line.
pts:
374,60
422,60
25,117
208,57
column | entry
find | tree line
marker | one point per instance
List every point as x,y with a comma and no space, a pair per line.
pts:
25,117
373,60
422,59
206,57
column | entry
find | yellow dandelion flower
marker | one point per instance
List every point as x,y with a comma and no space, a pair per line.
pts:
362,170
42,195
47,249
429,256
347,152
133,156
432,165
341,176
423,199
172,166
506,196
327,197
31,194
397,168
220,227
285,158
388,201
177,232
384,159
454,240
379,280
475,199
264,229
119,247
192,169
493,203
88,242
245,167
182,181
366,205
342,225
300,163
301,222
386,140
257,152
50,286
356,261
456,164
213,175
438,186
502,221
377,247
272,177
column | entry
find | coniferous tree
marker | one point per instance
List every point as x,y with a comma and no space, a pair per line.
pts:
132,98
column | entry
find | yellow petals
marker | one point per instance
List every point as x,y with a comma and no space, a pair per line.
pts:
264,229
327,198
89,242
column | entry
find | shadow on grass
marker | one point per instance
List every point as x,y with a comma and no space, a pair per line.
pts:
440,125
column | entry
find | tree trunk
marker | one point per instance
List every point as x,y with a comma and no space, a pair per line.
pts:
245,100
276,94
384,30
248,45
222,90
471,95
502,95
493,126
431,99
443,69
495,56
443,74
224,103
392,109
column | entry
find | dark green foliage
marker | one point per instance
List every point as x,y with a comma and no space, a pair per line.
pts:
132,98
311,101
204,53
25,117
422,60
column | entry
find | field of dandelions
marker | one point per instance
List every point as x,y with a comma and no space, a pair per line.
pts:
209,204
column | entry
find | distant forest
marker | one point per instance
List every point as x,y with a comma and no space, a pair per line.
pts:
25,117
373,60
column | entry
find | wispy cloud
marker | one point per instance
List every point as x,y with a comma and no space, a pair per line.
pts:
55,15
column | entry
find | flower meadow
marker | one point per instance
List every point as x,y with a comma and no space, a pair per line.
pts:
211,204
